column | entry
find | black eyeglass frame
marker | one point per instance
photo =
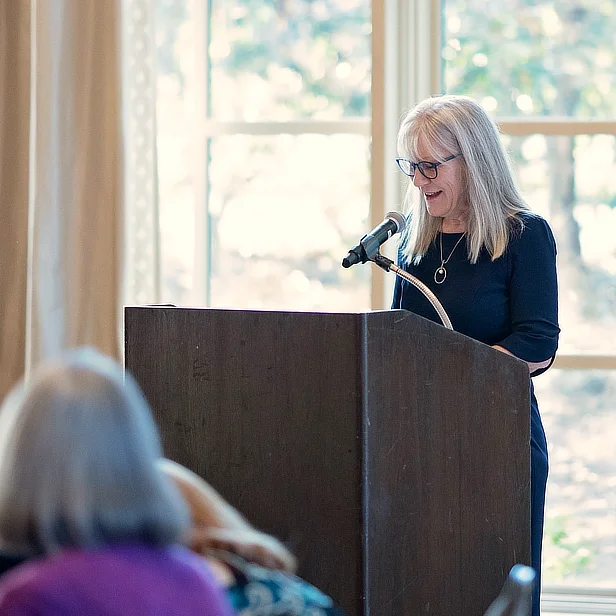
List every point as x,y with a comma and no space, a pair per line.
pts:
424,164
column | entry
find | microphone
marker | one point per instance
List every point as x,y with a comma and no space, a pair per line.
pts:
369,244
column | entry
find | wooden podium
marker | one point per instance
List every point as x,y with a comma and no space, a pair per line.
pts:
390,454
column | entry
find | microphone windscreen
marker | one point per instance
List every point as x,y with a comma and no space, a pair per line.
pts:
399,219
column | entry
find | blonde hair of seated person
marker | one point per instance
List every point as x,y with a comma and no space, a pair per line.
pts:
216,525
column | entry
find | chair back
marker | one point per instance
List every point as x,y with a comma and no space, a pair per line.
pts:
515,599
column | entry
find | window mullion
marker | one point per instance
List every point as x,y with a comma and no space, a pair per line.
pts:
355,126
404,35
585,362
200,171
555,126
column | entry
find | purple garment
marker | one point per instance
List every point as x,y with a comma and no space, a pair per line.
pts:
133,580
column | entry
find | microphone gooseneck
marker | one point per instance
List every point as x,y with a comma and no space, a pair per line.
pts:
368,250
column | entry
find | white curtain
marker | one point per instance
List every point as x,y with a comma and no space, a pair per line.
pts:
60,180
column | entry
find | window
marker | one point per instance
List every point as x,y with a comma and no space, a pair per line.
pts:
263,151
544,69
275,155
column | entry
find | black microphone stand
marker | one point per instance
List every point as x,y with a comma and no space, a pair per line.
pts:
388,265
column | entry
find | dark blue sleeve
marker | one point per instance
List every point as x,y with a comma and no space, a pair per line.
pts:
533,293
395,302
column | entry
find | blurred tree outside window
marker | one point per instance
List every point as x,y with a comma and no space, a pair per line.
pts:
277,210
545,60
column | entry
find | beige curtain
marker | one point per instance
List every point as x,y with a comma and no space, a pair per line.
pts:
14,138
60,179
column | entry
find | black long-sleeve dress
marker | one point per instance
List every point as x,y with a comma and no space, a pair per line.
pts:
511,302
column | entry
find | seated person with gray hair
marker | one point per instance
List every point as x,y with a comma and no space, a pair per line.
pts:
83,499
94,521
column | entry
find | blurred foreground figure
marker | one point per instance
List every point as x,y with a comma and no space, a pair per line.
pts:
256,569
83,499
93,521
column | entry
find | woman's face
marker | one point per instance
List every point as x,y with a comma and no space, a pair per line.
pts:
444,194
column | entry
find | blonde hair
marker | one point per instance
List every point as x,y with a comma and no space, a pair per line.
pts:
78,462
453,124
219,526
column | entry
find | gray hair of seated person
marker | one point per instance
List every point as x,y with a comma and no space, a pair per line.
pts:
78,462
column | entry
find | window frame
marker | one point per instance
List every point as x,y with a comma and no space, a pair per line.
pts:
406,67
426,33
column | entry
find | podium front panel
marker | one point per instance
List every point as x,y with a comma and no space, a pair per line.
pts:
390,454
266,406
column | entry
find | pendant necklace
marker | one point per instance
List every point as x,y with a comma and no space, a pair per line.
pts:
441,273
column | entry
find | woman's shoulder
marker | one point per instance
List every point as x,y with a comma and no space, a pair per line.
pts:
138,574
257,590
76,563
528,229
530,220
8,561
23,579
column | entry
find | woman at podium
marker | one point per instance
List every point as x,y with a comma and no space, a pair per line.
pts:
474,242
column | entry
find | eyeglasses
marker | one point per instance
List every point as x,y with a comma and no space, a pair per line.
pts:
427,169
